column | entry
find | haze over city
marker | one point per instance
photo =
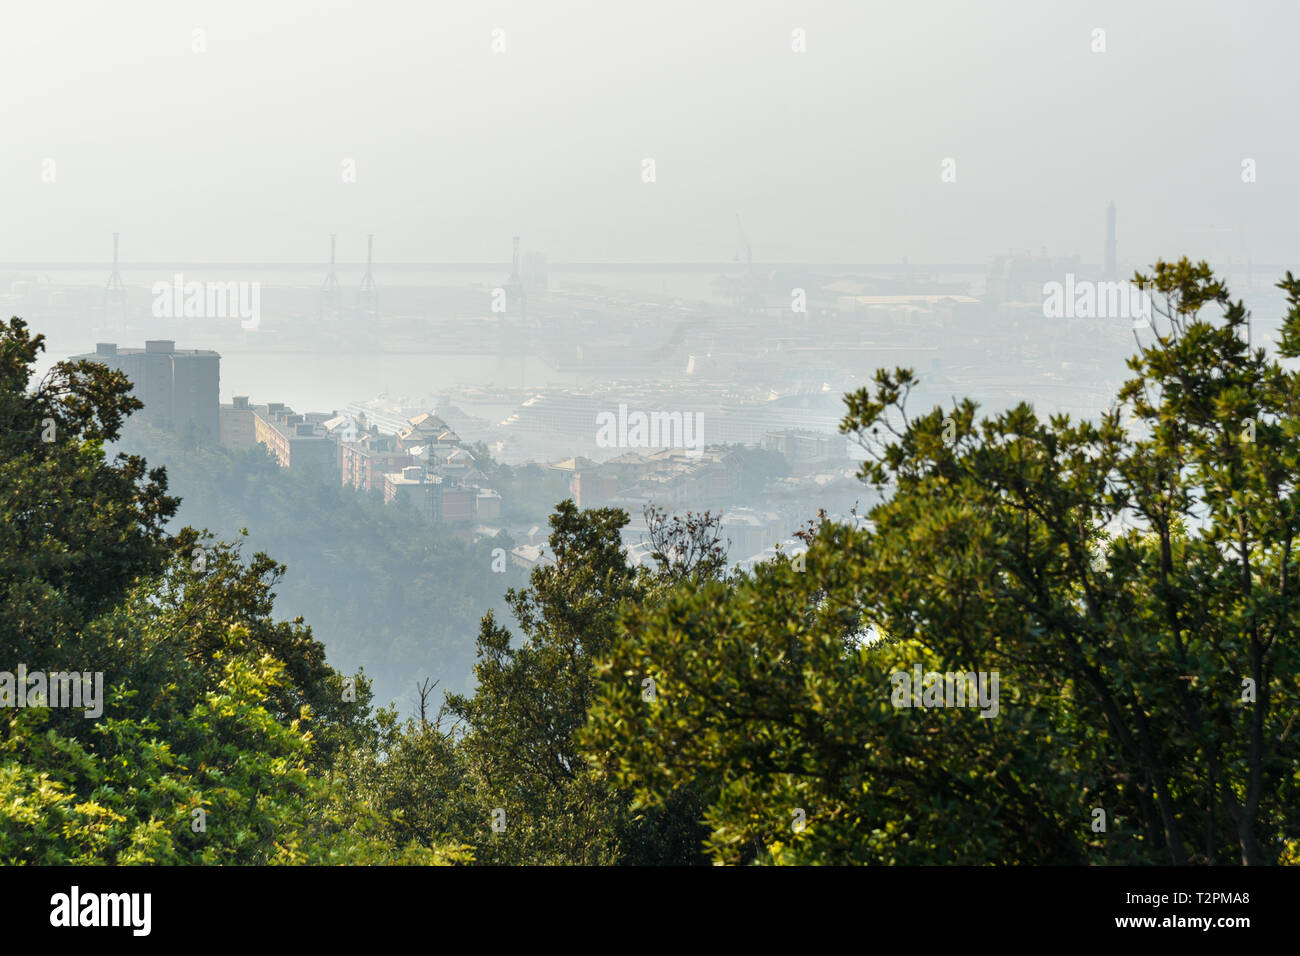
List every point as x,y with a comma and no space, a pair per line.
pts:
827,433
832,155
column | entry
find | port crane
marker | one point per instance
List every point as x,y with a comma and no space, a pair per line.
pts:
330,297
115,293
747,292
368,300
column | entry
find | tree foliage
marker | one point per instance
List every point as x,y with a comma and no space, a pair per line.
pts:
1131,581
220,727
1121,593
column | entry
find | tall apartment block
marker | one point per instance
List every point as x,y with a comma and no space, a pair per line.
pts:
176,385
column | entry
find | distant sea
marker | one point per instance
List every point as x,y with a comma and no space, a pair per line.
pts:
323,382
328,382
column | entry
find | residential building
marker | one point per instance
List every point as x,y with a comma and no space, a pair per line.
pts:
410,488
438,500
236,424
487,505
365,462
529,556
456,503
803,445
295,440
428,430
592,489
748,532
177,386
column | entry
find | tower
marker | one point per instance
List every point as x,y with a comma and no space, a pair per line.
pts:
368,301
1109,266
330,298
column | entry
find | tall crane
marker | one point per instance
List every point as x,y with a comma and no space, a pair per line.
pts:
115,291
330,297
369,296
749,295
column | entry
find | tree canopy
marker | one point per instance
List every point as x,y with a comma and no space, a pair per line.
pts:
1052,641
1130,581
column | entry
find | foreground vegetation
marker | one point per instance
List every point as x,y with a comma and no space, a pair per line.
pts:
1131,581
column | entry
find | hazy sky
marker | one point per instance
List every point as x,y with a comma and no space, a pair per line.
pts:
833,154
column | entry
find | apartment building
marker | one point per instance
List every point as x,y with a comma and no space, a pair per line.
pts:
438,500
297,441
365,462
236,424
177,386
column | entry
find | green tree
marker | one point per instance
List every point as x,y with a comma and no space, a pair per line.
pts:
224,783
414,781
171,633
75,529
220,726
529,771
1131,581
